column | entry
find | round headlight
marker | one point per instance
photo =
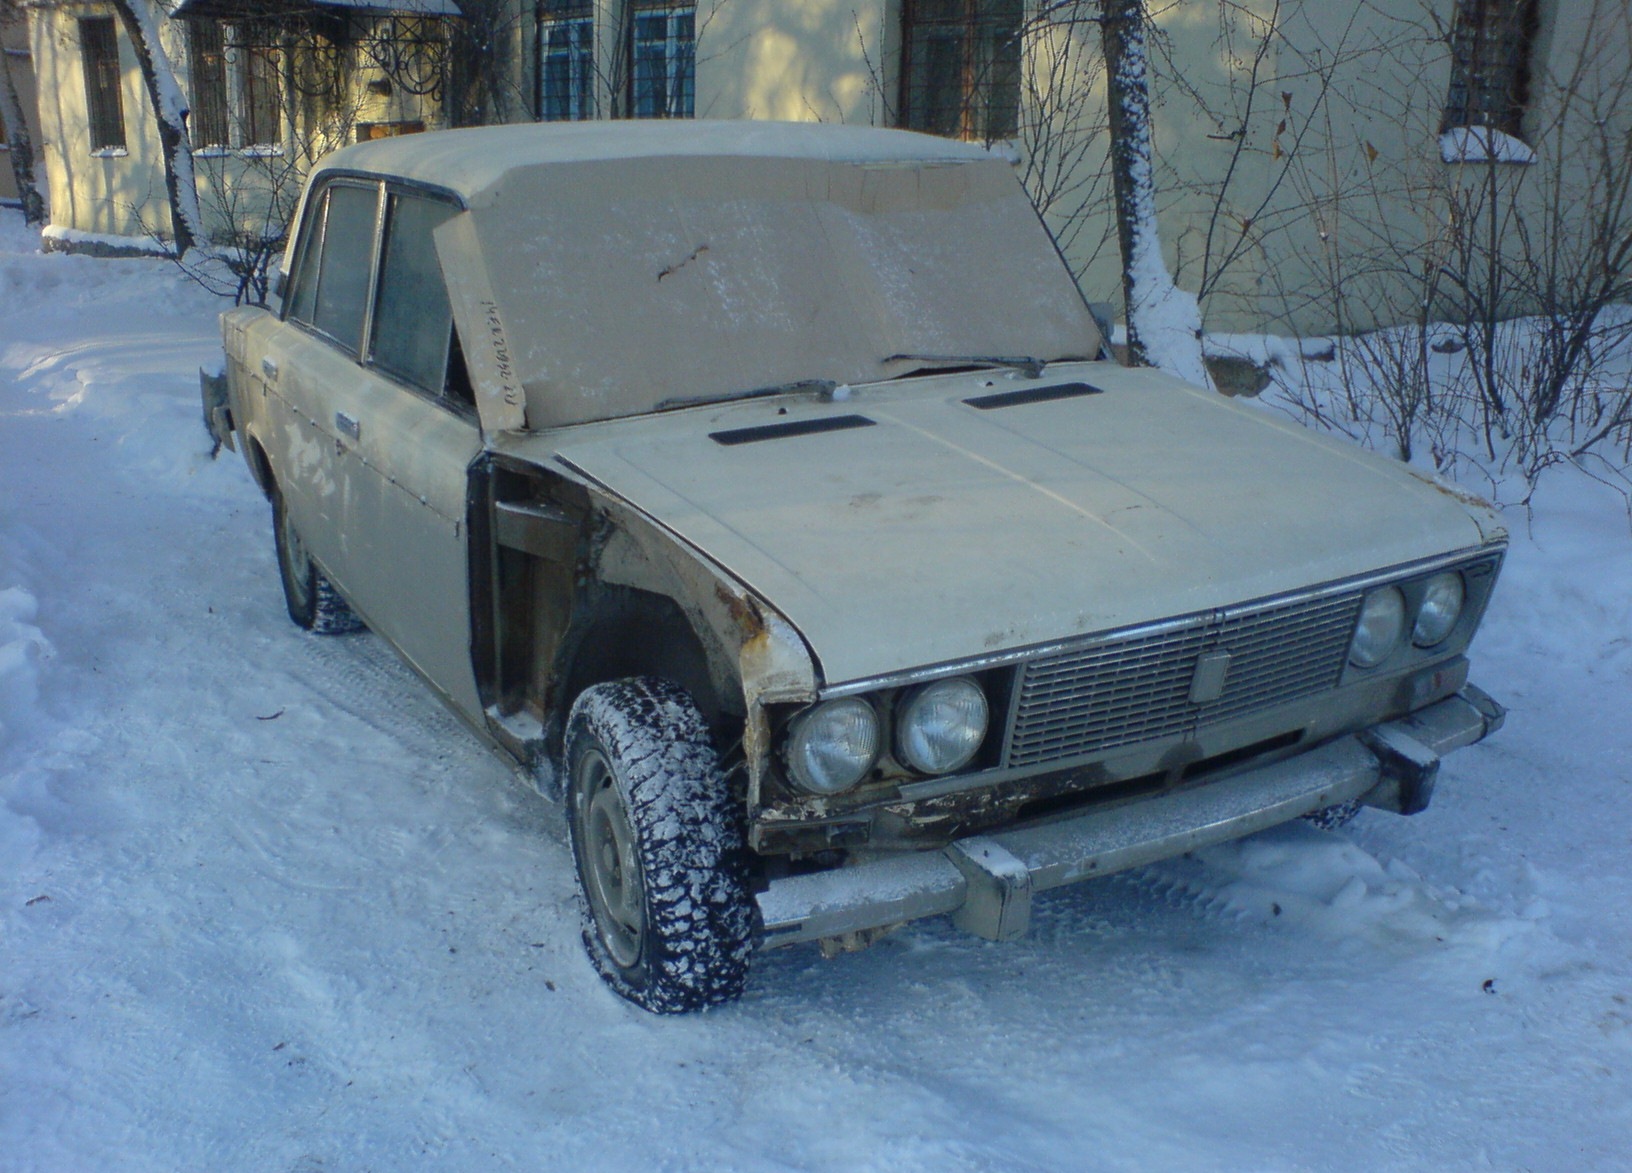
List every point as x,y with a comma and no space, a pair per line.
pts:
1441,608
941,725
1382,623
834,745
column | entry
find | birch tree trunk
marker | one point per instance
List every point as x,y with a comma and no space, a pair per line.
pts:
170,110
21,143
1164,322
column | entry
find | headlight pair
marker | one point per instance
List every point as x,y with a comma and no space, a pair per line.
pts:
1383,618
938,728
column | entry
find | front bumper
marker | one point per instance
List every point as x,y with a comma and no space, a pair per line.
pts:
986,881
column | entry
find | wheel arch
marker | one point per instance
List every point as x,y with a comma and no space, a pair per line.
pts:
580,587
260,467
621,631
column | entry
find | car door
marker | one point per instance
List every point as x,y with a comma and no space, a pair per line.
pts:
386,492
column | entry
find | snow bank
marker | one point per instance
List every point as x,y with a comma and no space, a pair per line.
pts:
114,340
15,236
103,243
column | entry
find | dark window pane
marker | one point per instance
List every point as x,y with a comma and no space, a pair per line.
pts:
1490,64
566,68
259,65
99,44
663,56
412,320
207,65
343,278
961,67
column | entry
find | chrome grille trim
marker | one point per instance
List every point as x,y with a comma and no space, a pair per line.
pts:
1136,687
934,671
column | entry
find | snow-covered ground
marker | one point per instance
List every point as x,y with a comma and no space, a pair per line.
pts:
264,905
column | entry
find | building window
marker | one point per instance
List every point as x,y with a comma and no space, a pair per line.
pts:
256,62
566,60
235,78
663,60
99,44
960,67
208,125
1490,64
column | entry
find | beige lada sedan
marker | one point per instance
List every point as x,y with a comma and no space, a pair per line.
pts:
766,492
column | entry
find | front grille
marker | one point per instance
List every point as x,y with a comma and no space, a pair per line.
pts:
1136,688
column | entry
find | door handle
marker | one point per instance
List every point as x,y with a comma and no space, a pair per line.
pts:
269,369
346,425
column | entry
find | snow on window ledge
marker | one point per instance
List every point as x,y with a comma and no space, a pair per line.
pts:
109,153
1483,144
266,151
1007,150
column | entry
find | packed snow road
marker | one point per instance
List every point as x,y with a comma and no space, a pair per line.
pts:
264,905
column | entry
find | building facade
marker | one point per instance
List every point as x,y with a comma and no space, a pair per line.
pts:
17,72
1303,149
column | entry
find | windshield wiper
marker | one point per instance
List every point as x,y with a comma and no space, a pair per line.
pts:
1032,368
821,386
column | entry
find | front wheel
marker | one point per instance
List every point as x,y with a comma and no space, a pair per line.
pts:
659,847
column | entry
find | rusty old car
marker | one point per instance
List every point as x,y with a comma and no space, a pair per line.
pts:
767,493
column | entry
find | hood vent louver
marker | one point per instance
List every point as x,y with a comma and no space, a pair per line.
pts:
834,423
1033,395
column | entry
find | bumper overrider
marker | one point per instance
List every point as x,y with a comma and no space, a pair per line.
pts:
986,882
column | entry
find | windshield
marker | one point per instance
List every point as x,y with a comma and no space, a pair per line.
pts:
628,284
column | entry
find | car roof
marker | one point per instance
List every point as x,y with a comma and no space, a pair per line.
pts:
469,162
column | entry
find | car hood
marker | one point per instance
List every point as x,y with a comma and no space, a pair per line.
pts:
918,524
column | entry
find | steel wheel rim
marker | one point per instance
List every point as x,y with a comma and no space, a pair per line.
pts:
612,879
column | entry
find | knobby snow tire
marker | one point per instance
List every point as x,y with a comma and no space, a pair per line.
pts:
644,739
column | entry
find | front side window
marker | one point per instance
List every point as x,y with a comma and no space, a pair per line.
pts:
960,67
330,290
99,44
566,61
663,61
1491,42
412,319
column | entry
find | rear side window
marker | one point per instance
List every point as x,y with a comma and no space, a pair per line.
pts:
331,290
412,321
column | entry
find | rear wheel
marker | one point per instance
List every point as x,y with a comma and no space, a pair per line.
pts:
312,601
659,848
